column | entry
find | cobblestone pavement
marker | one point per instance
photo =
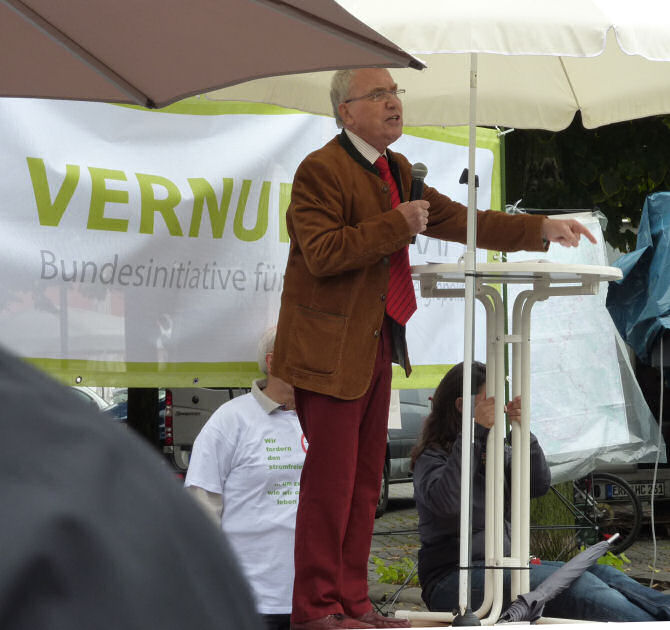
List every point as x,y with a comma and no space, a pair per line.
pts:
395,539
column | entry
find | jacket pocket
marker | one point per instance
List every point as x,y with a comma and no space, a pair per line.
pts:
317,339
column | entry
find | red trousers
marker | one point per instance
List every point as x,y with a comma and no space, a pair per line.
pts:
339,489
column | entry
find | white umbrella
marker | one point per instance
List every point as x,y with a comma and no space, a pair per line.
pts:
517,63
538,62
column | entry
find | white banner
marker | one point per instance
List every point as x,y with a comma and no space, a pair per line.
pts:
148,248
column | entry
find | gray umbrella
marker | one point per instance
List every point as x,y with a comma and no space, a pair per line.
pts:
529,606
155,52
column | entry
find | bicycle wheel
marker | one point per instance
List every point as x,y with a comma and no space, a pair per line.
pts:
610,506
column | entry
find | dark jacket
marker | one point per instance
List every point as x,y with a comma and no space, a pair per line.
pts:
95,531
437,490
342,233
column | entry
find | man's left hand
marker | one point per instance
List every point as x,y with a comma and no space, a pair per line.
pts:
565,232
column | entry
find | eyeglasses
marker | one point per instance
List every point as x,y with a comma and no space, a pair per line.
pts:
377,96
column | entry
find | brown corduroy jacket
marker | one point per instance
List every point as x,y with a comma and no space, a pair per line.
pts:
342,232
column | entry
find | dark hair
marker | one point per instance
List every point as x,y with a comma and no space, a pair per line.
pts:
443,423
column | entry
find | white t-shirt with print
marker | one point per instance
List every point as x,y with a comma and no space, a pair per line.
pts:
254,460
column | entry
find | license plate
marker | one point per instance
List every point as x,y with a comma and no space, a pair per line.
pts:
642,489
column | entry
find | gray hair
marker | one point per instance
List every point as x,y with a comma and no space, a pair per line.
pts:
339,91
266,345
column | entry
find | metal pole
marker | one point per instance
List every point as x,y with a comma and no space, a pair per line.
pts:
466,617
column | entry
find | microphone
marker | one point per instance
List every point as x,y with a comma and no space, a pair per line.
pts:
419,172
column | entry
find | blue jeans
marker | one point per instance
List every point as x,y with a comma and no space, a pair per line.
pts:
602,593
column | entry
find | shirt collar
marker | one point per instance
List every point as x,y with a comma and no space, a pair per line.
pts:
366,150
267,404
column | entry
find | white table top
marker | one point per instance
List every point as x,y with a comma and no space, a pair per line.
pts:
519,272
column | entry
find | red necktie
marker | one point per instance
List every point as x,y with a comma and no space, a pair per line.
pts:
400,301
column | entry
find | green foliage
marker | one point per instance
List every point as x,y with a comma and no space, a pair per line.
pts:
553,544
549,510
612,168
396,572
618,562
561,544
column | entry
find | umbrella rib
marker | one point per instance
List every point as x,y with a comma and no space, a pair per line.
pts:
365,42
572,89
58,36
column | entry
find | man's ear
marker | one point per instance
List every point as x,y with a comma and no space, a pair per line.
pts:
458,403
343,111
268,362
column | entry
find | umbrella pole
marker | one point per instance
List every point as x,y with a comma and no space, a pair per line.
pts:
466,616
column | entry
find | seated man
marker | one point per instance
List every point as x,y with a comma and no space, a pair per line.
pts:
601,594
245,470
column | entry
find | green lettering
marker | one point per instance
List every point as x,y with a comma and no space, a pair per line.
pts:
203,192
101,195
284,200
150,205
51,213
261,226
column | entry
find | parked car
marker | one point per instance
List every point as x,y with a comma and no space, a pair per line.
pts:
184,411
641,477
187,409
118,410
90,397
414,407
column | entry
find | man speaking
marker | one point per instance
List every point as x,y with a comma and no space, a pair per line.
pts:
347,297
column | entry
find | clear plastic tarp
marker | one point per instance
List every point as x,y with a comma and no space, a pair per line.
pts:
588,410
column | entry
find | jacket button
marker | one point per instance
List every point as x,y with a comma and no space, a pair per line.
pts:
376,333
385,260
385,188
383,298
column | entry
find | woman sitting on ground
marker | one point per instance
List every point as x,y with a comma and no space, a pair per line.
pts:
603,593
